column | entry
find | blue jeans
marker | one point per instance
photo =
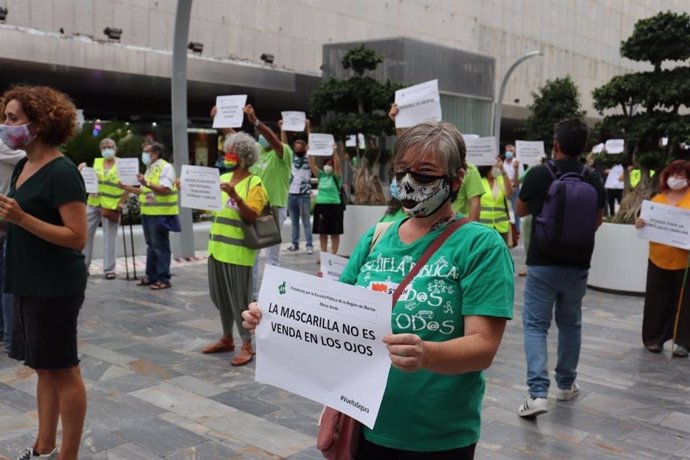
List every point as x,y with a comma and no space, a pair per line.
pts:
299,206
157,250
6,300
565,287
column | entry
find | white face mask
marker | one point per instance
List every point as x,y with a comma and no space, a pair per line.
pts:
676,183
108,153
328,169
427,198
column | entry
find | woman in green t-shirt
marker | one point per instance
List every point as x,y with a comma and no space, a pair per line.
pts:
45,216
448,324
328,210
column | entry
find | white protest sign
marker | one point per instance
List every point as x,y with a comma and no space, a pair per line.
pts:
200,188
127,170
362,143
529,153
665,224
614,146
294,121
230,111
351,141
321,145
481,151
417,104
322,340
470,136
598,148
90,179
331,265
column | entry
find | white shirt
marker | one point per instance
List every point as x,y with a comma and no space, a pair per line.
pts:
613,179
167,178
8,160
510,169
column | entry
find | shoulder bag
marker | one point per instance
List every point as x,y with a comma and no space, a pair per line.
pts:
338,436
263,232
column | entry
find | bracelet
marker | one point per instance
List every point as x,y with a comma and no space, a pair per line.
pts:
257,122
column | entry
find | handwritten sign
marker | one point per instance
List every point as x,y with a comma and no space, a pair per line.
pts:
482,151
294,121
90,179
127,170
230,111
322,340
200,188
417,104
321,145
529,153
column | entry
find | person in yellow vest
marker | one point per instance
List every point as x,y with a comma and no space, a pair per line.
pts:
159,213
494,210
104,207
230,262
636,175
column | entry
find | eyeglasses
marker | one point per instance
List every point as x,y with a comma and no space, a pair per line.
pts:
417,177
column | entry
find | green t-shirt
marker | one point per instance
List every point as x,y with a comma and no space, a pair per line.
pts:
37,268
274,173
471,187
329,189
400,214
471,274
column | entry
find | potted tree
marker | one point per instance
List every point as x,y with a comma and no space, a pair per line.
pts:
358,104
643,108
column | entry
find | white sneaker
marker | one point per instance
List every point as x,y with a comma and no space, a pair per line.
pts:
29,453
568,393
310,249
533,407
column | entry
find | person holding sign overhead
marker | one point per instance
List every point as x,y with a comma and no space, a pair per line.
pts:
159,213
448,324
328,211
229,261
299,200
667,297
105,206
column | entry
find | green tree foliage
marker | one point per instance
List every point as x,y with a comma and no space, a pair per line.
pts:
358,104
645,106
557,100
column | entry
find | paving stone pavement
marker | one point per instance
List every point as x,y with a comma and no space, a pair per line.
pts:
152,394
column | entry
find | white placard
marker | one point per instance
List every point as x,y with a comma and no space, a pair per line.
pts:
351,141
230,111
362,142
529,153
331,265
417,104
665,224
90,179
294,121
598,148
127,170
481,151
321,145
614,146
200,188
322,340
470,136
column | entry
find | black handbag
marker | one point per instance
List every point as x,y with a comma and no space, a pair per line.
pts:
265,231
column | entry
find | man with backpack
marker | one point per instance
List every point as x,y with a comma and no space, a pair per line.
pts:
567,201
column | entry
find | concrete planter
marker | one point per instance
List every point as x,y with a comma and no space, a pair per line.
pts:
358,219
619,262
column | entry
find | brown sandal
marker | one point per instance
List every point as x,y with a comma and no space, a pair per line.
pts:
223,344
245,355
144,281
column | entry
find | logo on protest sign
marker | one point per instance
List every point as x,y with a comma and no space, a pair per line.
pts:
282,288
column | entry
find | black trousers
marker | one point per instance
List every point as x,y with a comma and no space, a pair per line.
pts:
613,195
661,300
370,451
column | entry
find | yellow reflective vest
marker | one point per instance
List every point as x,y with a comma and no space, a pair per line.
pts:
109,194
493,210
156,204
226,240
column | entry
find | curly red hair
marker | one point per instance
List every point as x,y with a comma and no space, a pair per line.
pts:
52,113
676,167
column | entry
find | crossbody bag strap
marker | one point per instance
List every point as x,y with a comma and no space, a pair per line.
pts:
425,257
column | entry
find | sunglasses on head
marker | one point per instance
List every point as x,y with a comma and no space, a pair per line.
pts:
417,177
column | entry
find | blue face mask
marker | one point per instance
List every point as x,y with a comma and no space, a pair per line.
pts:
509,155
394,189
146,158
263,142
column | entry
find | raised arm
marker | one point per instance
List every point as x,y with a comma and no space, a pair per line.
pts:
337,169
392,114
226,131
312,165
270,136
283,134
